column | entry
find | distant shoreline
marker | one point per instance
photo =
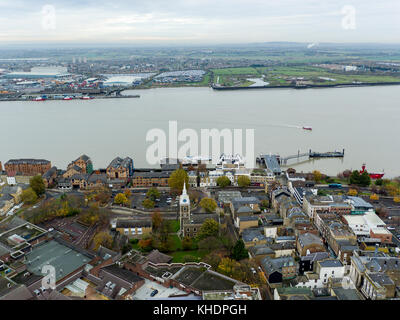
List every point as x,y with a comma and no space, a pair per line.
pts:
309,86
214,87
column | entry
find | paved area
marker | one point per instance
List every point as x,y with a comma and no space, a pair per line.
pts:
149,286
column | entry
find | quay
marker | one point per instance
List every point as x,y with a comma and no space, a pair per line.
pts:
66,97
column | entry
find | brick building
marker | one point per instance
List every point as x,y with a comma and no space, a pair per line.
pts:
150,179
27,167
120,168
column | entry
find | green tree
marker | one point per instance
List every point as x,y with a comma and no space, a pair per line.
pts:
223,181
355,177
239,251
153,194
177,179
121,198
208,204
148,204
365,179
209,228
243,181
29,196
37,184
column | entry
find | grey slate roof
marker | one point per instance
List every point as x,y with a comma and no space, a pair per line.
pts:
331,263
276,264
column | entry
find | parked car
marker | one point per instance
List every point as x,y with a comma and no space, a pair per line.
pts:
153,293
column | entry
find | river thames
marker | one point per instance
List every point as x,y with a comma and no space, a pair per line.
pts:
362,120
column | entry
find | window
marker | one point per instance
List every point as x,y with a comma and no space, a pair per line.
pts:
139,230
126,231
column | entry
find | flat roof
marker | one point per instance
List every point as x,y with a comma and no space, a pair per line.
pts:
64,259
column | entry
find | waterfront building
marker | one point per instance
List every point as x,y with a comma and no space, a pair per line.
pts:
27,167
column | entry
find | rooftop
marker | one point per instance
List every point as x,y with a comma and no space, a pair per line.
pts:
65,259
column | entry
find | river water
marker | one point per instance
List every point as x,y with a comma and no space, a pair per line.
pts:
362,120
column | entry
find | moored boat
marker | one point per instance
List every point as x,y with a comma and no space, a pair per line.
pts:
373,175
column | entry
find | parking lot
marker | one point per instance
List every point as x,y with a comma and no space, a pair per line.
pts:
144,292
138,197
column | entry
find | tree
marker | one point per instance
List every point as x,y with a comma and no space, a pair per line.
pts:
352,192
360,179
120,198
346,174
37,184
239,251
177,179
156,220
103,196
223,181
374,197
228,267
146,244
187,243
317,176
365,179
209,228
29,196
148,204
213,259
153,194
127,193
396,199
243,181
103,239
210,244
208,204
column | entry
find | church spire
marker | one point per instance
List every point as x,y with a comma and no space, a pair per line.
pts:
184,189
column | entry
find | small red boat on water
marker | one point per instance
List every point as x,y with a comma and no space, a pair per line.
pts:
377,175
307,128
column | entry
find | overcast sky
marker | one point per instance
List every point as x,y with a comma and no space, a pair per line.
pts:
199,21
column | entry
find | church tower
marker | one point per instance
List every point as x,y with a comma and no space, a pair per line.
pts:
184,209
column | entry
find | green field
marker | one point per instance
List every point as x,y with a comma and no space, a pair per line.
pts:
288,75
178,255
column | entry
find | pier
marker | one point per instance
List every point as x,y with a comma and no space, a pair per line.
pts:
312,154
274,160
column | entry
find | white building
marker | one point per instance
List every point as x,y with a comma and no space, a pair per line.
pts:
363,224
